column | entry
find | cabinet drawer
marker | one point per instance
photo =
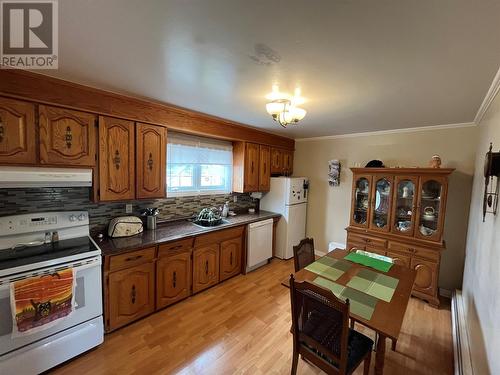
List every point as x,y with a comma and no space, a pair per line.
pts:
218,236
367,240
427,254
409,249
175,247
131,259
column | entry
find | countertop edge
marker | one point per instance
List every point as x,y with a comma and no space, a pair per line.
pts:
197,231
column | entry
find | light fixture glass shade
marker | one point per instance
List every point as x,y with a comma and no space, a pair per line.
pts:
275,108
298,113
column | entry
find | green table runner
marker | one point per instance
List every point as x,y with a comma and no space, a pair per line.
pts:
375,284
328,267
361,304
378,264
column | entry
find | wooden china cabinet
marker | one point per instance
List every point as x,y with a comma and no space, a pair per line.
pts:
400,212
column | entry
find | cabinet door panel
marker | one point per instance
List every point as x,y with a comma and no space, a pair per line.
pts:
131,294
151,164
276,161
116,159
287,162
67,137
205,267
251,167
430,207
17,132
426,279
404,205
360,210
173,279
230,258
381,201
264,168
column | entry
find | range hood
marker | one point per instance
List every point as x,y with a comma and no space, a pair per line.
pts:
28,177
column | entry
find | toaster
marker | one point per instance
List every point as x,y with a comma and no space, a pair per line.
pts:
125,226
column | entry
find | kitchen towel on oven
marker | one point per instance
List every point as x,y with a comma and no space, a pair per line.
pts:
40,302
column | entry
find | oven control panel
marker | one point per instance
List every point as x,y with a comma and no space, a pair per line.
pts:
38,222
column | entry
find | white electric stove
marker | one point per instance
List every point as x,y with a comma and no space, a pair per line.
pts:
27,250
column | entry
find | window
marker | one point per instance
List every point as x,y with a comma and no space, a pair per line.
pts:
197,165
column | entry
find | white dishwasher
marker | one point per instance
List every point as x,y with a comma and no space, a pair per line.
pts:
259,243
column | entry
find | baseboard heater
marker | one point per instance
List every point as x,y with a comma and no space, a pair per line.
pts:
461,348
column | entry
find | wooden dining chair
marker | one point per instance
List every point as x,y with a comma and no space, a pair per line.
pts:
303,254
321,333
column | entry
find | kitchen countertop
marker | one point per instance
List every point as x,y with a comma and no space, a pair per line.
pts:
175,230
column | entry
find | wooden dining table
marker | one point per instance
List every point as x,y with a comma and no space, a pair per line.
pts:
387,317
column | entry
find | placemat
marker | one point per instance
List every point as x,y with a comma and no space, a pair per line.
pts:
378,264
361,304
327,267
375,284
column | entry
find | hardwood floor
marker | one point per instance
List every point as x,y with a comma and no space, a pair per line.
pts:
242,327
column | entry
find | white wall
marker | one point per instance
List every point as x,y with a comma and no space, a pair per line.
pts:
481,285
329,207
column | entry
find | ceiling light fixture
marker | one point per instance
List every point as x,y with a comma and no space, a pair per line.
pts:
284,108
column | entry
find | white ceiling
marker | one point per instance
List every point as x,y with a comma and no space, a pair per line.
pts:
362,65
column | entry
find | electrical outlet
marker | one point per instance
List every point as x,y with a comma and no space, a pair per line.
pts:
128,208
235,198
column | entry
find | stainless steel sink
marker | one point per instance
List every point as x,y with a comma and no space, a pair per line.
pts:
208,226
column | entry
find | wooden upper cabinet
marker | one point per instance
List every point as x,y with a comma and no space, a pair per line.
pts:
173,279
276,161
251,167
151,161
67,137
116,159
287,162
264,168
131,294
17,132
205,267
230,258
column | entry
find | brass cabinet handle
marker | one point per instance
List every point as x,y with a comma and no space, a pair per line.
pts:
174,281
206,267
133,294
1,130
117,159
231,259
68,137
265,165
251,169
150,161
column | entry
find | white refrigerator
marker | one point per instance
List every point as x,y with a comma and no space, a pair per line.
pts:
288,197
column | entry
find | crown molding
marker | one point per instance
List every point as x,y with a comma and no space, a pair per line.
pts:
488,99
392,131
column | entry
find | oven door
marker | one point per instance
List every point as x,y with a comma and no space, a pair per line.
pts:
88,300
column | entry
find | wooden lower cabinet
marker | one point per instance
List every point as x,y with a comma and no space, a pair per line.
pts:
142,281
131,294
205,267
173,279
230,258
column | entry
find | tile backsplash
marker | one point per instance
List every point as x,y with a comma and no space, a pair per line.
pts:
19,201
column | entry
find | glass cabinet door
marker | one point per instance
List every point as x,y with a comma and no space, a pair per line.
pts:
429,208
361,201
404,205
381,203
